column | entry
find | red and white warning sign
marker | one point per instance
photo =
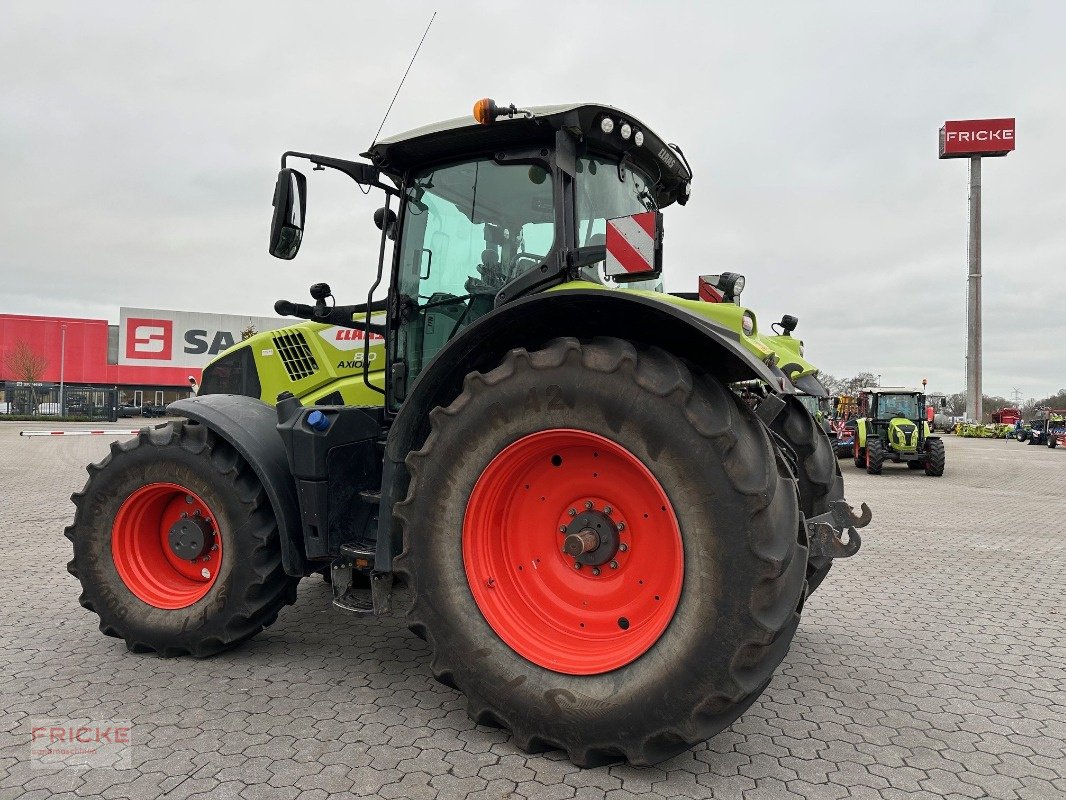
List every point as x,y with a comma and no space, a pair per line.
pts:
635,246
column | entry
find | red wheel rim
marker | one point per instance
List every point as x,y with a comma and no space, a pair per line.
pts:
517,520
141,549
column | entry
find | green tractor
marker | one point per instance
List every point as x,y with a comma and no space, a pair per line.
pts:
603,505
893,427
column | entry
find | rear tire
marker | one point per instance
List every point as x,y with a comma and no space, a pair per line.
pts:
1052,441
875,456
127,502
935,458
737,511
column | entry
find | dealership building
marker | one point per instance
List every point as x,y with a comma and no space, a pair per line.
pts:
147,358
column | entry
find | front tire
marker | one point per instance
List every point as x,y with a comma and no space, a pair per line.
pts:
492,487
936,457
875,456
142,591
817,472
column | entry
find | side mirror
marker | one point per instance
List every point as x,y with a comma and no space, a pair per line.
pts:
635,247
287,225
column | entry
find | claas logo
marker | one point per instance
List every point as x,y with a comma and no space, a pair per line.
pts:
149,338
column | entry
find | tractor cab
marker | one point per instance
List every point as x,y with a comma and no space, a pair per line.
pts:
496,206
892,427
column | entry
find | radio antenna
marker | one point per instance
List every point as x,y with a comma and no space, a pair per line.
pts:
387,110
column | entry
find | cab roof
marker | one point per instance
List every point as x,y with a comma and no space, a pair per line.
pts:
890,390
463,136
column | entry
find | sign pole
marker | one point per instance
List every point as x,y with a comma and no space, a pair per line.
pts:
973,299
975,139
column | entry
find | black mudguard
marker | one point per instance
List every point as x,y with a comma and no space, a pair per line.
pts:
531,323
250,425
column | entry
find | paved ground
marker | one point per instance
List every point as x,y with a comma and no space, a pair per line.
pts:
932,665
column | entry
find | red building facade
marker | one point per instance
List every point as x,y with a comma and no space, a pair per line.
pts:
83,352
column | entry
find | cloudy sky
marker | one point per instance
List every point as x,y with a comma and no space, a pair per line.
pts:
140,145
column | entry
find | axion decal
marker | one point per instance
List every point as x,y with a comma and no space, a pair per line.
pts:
149,338
356,363
347,338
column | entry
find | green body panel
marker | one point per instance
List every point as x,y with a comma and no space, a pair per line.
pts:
782,350
860,432
338,358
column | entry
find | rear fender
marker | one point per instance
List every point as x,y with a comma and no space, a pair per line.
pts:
250,426
531,323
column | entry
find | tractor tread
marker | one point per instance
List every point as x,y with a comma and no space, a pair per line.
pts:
817,473
936,458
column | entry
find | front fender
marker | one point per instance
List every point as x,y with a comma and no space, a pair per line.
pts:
250,426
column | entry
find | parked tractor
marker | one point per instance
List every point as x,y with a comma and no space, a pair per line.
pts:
892,427
1048,427
607,550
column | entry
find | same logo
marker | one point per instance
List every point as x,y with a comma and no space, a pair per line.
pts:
150,339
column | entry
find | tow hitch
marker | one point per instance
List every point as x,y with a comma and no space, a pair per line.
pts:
833,533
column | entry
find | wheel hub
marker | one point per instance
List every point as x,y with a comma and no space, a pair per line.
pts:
190,537
591,539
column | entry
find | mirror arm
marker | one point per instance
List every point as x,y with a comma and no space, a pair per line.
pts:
363,174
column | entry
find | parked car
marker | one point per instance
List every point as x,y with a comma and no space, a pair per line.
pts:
48,409
127,410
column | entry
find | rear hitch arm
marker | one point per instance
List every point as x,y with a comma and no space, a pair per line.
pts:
826,533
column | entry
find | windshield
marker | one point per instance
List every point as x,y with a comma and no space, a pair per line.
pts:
897,405
468,229
606,191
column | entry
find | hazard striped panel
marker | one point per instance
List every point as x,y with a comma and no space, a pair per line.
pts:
634,246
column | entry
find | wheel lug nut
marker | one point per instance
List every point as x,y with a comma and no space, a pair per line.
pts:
572,512
595,570
607,509
562,529
577,565
623,547
588,505
188,499
205,572
621,526
614,565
